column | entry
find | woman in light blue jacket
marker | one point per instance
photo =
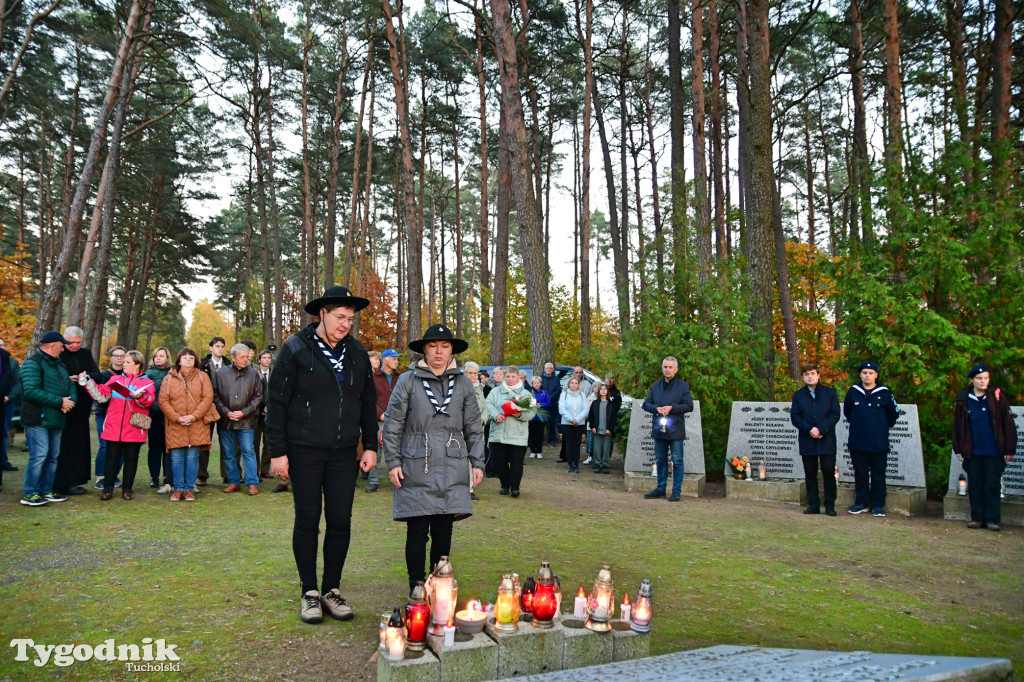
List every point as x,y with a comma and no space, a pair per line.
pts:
574,408
510,428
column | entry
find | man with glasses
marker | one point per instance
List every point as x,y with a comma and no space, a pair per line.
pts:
75,460
322,401
117,355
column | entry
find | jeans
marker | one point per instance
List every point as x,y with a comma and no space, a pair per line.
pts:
869,465
508,463
185,467
439,528
983,474
43,450
322,480
828,475
227,456
376,472
262,450
121,452
661,448
8,415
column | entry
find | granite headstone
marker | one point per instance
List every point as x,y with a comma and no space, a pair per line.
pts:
1013,476
640,447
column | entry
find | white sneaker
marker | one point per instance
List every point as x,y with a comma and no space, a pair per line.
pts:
540,455
588,460
165,488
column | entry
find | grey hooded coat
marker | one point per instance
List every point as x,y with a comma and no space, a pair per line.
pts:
436,452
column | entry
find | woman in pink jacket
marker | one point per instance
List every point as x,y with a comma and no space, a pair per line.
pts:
123,438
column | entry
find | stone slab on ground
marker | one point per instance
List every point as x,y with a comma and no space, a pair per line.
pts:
528,650
956,508
640,445
898,499
585,647
628,645
417,666
794,492
471,659
693,484
728,663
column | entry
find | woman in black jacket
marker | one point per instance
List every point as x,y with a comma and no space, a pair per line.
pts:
601,421
984,440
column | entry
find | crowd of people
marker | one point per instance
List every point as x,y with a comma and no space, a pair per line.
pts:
317,413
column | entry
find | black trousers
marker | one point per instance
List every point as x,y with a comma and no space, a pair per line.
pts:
869,465
828,474
508,463
439,528
571,436
115,451
536,440
983,474
158,454
322,480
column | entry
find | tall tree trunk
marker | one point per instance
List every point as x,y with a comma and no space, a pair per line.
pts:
677,132
785,297
341,103
760,212
531,237
716,132
659,236
1002,72
621,270
307,277
50,302
701,201
501,239
620,238
585,33
485,275
893,93
860,180
274,216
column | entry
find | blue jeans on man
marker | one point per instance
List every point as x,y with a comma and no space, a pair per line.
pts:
43,449
228,456
185,467
375,472
661,450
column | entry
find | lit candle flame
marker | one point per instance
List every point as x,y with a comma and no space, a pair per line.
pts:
581,593
625,600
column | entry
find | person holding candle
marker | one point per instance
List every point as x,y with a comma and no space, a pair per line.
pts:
984,440
432,445
668,400
509,429
871,410
815,413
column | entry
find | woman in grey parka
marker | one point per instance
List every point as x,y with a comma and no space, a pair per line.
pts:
432,444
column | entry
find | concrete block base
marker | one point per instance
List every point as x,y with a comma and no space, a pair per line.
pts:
472,658
898,499
637,482
415,667
585,647
627,644
779,490
527,651
957,508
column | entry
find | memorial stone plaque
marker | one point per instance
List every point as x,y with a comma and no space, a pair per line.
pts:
906,457
1013,476
763,431
640,446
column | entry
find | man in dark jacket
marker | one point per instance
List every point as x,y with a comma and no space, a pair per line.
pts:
49,394
668,400
237,393
815,413
322,401
74,467
549,382
871,411
384,379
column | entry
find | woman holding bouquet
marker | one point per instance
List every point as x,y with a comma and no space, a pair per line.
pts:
511,407
130,394
539,422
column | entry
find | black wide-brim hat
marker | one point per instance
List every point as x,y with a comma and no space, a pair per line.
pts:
336,296
439,332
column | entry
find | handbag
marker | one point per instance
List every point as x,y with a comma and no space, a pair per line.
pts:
141,421
212,414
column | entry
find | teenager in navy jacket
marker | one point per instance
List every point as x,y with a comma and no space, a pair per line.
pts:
815,413
871,411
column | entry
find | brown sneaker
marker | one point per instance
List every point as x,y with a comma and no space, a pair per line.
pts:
190,496
253,490
176,496
310,610
336,605
233,488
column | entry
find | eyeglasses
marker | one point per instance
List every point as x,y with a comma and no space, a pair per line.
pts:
341,318
118,356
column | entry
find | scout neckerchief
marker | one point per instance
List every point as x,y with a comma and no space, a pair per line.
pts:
336,363
443,408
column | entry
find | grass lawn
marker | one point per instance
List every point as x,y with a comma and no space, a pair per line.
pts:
216,577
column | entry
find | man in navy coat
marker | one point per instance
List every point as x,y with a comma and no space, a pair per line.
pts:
668,400
872,411
815,413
